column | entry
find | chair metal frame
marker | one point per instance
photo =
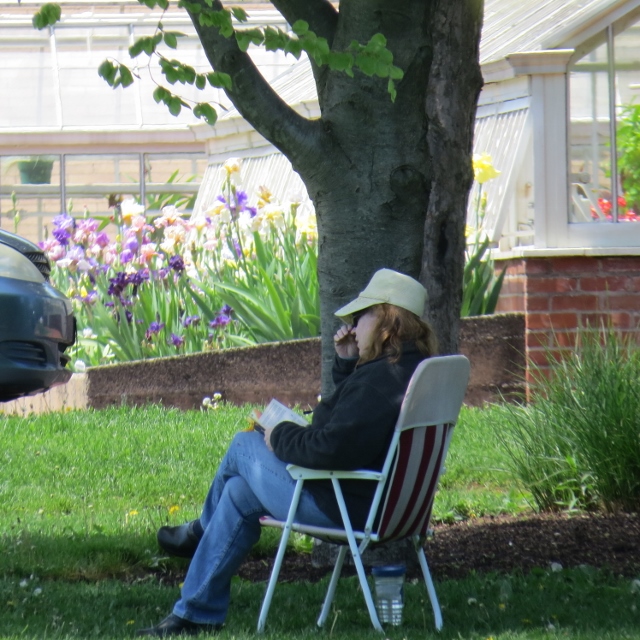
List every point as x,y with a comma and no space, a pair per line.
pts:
429,411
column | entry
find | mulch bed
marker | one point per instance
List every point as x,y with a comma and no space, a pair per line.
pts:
504,544
494,544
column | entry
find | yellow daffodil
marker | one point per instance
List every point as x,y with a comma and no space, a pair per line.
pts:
264,196
231,166
483,168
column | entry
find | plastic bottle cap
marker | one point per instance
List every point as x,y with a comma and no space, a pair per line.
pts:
390,571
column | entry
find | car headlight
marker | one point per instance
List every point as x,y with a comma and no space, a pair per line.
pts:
14,265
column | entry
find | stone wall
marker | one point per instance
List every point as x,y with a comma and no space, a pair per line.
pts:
289,371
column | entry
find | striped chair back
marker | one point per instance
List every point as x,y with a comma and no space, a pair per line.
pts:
423,432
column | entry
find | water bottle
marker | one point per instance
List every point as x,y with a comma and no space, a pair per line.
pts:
389,586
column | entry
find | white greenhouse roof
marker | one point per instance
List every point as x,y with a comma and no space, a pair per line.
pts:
514,26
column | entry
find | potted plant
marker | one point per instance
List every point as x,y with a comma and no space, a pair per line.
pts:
36,169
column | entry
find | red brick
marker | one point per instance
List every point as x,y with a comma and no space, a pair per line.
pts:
537,339
537,303
628,263
574,264
551,285
565,338
577,303
512,286
617,319
538,265
551,320
606,283
622,302
538,357
510,304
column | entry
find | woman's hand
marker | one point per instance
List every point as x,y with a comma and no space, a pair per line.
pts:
345,342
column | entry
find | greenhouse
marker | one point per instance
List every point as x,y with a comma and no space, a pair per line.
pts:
68,142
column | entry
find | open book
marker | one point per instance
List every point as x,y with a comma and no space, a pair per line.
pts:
274,413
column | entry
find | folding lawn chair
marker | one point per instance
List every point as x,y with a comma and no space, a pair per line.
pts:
401,506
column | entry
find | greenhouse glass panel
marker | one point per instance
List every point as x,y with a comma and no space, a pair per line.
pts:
173,180
604,132
94,183
589,135
627,57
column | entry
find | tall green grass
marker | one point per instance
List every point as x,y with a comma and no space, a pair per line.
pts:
577,444
83,493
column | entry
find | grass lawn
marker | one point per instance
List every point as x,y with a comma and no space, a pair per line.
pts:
83,493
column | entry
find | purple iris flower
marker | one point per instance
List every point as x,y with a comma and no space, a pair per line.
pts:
126,256
91,298
132,244
241,199
176,263
128,315
62,236
237,248
226,310
63,221
109,304
102,239
253,212
191,320
154,329
219,321
176,341
162,273
138,277
88,225
118,284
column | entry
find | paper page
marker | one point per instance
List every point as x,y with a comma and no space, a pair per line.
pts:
276,412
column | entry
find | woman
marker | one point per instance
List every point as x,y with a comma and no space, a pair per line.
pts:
377,351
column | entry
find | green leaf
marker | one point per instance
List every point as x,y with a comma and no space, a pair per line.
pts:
247,36
171,40
48,15
175,105
219,79
201,81
239,14
391,88
108,71
275,39
160,94
206,111
300,27
126,77
340,61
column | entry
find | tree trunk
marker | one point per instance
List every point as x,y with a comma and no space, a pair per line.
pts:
387,178
454,85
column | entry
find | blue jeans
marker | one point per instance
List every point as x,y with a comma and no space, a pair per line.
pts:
250,483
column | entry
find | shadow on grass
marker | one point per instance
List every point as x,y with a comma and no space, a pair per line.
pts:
63,586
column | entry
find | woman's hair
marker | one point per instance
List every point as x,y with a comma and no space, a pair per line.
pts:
394,326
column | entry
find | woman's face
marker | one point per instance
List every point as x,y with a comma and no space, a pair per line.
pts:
365,329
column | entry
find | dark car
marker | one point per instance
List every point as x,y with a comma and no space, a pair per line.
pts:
36,321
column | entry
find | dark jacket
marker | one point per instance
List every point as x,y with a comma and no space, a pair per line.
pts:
350,430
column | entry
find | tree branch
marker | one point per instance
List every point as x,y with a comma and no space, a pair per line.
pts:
320,14
253,96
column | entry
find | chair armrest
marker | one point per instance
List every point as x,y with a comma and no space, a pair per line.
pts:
302,473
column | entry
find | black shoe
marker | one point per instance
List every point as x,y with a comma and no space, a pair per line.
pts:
181,541
174,625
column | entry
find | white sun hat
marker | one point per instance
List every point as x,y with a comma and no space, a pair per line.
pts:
391,287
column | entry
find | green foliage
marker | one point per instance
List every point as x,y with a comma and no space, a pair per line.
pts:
576,444
170,284
480,286
83,493
48,15
628,143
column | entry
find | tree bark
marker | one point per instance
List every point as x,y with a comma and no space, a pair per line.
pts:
388,179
